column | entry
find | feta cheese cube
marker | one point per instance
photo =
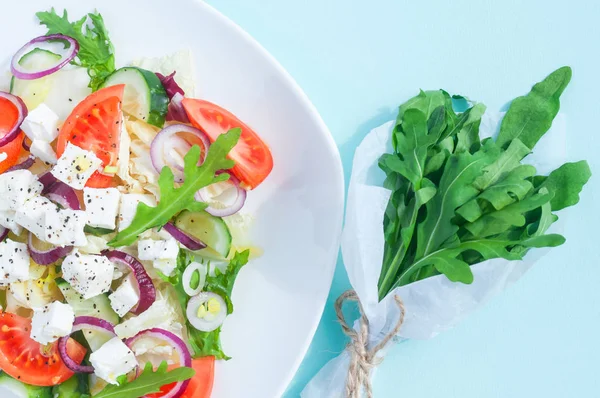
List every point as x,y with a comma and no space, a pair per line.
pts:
101,206
16,187
41,124
149,249
14,262
125,297
3,156
43,151
7,220
65,227
112,360
51,322
166,266
32,215
76,166
128,207
88,274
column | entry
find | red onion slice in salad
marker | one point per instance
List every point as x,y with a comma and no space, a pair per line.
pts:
188,241
145,285
59,192
161,143
185,358
22,114
3,233
20,73
88,323
46,255
219,208
27,163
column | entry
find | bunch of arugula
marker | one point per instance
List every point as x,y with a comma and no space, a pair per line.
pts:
458,200
96,52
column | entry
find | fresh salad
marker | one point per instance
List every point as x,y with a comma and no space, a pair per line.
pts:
121,235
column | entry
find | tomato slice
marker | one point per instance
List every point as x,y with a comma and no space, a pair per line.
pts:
27,360
8,117
95,125
200,385
253,159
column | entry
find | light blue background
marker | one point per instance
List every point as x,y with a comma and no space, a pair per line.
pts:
357,60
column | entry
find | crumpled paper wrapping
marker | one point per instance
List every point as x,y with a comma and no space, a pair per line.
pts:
434,304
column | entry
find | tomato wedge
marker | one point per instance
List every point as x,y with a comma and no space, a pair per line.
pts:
95,125
253,159
8,117
200,385
27,360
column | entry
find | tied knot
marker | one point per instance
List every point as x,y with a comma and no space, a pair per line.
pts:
363,359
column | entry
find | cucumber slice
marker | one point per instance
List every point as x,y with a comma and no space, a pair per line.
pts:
209,229
10,387
98,306
145,97
72,388
61,90
33,92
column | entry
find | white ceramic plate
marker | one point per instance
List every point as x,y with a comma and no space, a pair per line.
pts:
278,298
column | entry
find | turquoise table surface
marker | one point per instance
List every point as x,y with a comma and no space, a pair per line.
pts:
357,60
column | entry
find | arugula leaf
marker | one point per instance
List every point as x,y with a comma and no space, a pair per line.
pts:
529,117
96,52
497,222
567,182
446,259
468,135
506,161
97,231
208,343
147,382
455,189
173,200
425,101
513,187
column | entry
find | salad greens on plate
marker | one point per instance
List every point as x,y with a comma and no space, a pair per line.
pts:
121,232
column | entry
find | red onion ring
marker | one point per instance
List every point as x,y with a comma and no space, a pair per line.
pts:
176,111
237,204
185,358
144,282
159,144
18,71
59,192
3,233
25,145
190,242
48,256
172,145
82,322
22,110
27,163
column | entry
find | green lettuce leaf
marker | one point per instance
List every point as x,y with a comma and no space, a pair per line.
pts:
208,343
96,52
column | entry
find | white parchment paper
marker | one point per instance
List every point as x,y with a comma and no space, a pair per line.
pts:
434,304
